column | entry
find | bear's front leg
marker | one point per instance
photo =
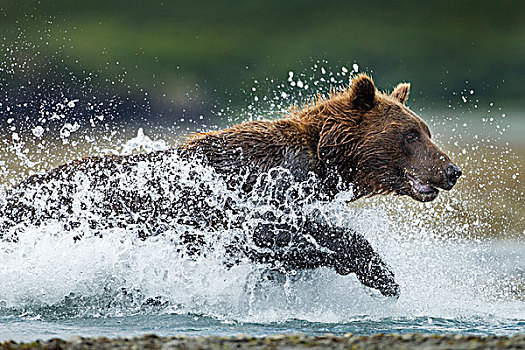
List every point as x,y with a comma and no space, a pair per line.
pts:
354,254
359,257
317,244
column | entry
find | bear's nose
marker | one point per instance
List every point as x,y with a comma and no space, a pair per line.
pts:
452,172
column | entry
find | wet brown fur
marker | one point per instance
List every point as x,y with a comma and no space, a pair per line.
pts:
355,136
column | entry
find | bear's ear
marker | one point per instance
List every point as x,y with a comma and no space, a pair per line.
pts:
401,92
363,92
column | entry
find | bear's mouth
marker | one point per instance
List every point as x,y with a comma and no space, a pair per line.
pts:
421,191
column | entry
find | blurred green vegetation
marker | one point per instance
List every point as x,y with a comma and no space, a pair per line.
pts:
212,50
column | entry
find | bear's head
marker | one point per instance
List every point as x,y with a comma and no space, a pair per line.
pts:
375,142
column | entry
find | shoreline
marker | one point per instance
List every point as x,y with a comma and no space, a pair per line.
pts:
282,341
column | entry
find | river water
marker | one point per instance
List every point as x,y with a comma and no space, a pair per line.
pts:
57,290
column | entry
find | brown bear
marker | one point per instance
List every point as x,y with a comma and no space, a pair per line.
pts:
358,140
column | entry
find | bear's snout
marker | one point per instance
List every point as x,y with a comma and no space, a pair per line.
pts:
452,173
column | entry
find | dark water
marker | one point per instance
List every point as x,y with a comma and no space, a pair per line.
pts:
193,325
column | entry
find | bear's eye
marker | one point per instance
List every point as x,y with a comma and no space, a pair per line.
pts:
411,137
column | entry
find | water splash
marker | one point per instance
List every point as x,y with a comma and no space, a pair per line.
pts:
443,273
